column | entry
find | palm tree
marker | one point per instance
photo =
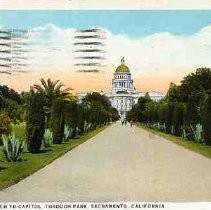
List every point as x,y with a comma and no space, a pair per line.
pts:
51,90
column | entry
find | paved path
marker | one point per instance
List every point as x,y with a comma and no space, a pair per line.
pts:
120,164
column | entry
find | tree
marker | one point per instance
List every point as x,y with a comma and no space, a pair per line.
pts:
114,114
151,112
168,110
193,107
81,118
201,79
141,108
9,93
35,122
51,90
5,124
173,94
58,120
161,111
206,120
97,108
193,90
178,118
11,103
141,112
133,114
183,109
72,116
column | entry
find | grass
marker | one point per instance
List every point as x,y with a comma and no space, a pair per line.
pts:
11,173
191,145
19,129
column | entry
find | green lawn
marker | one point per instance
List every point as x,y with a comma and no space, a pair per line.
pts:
11,173
19,130
191,145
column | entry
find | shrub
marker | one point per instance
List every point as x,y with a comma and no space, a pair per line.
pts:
12,147
187,132
172,130
67,132
197,131
78,131
35,124
87,126
158,126
47,138
57,120
5,124
183,132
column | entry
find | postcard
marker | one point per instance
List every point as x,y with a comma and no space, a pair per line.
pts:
105,106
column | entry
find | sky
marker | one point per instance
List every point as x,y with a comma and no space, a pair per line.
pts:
161,44
133,23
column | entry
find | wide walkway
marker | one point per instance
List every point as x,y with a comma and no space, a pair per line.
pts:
120,164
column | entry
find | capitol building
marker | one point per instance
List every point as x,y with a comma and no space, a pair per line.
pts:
123,94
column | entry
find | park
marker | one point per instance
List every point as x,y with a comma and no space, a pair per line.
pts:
55,148
105,106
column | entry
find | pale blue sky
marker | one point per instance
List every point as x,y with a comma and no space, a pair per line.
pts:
134,23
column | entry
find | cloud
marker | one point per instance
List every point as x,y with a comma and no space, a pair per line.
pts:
154,60
164,50
50,46
53,46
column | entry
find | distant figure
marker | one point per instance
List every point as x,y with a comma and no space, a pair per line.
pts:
122,122
131,123
125,122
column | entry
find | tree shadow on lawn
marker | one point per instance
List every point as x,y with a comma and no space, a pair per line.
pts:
77,137
2,168
5,161
44,151
39,152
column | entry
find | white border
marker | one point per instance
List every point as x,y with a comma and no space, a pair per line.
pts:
105,4
104,205
116,5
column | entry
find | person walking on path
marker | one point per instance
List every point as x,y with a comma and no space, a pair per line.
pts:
131,123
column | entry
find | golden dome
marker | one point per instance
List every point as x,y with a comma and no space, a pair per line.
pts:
122,68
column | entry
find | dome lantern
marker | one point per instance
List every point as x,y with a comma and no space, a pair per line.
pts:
123,61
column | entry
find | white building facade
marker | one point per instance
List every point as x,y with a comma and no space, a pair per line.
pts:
123,94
